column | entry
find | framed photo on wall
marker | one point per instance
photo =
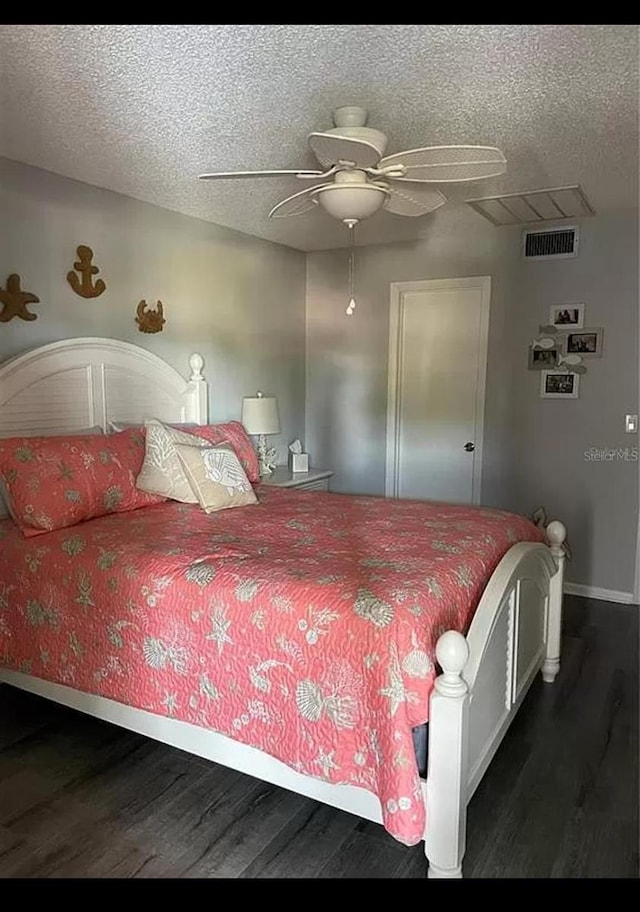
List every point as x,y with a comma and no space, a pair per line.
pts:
567,316
559,385
586,342
542,358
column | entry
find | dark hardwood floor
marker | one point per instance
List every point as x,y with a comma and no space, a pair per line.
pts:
81,798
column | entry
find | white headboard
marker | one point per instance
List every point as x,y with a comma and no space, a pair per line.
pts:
81,383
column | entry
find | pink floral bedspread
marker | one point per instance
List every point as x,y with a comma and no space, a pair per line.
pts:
304,626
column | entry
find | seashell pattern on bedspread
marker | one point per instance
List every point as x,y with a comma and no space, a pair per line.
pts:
304,626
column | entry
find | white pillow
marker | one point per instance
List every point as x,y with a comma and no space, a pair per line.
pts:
162,472
115,426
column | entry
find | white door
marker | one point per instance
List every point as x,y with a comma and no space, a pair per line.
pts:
437,369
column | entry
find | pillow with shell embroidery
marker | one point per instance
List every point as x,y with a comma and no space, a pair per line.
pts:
162,471
216,477
54,482
229,433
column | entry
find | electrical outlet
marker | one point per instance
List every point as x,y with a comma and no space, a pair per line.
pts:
631,424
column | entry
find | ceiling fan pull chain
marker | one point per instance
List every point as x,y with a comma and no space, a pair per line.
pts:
351,306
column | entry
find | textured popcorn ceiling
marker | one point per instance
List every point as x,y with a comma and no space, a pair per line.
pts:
143,109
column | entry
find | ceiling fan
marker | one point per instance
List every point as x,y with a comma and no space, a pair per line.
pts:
358,179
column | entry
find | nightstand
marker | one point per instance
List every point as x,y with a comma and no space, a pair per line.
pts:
313,480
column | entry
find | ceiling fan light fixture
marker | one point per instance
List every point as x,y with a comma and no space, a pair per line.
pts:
351,198
352,203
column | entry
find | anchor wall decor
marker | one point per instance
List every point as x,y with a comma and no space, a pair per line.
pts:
15,301
84,286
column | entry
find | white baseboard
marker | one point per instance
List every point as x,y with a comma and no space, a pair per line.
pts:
595,592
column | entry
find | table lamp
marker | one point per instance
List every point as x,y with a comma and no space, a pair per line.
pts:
260,416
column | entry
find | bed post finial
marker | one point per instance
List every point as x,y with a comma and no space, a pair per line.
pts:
199,389
196,363
446,799
452,652
556,535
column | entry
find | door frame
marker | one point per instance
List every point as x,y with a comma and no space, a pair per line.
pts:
394,387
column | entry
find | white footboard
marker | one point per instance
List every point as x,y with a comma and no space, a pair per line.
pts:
515,633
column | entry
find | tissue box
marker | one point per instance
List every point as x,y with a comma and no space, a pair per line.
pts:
299,462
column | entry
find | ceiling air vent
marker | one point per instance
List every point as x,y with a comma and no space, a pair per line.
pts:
530,206
553,243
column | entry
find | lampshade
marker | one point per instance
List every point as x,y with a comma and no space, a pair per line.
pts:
260,414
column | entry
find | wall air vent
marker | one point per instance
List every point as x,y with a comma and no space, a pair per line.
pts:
532,206
550,244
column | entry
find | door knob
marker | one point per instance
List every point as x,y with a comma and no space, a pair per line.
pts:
469,447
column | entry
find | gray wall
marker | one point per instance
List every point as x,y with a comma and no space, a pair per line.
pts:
534,449
347,356
598,500
237,300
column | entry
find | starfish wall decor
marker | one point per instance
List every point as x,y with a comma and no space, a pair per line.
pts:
15,301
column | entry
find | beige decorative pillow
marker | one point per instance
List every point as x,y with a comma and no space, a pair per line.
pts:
162,471
216,477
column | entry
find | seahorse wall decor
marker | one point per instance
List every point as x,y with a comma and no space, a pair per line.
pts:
150,321
15,301
84,286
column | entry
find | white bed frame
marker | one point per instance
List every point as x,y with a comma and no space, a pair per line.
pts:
486,675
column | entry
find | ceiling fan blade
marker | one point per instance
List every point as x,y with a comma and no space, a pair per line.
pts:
231,175
448,164
298,204
329,149
413,200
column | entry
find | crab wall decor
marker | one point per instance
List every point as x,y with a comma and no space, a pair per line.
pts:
150,321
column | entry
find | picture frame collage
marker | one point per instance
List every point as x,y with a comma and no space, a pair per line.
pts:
560,349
